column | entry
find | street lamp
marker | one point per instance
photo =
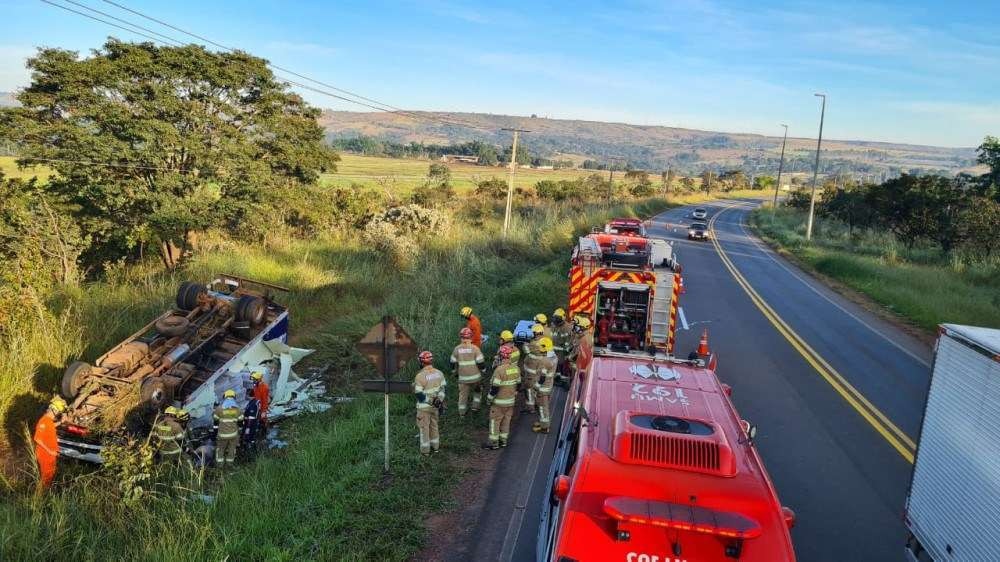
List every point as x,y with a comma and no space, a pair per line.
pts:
812,197
781,166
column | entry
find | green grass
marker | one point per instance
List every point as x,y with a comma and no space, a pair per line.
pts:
8,165
324,496
919,284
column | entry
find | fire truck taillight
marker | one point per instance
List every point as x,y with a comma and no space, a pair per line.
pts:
789,516
727,389
560,489
76,430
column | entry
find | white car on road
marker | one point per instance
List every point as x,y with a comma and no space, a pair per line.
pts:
699,213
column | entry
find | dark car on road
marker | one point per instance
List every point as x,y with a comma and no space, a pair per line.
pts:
698,231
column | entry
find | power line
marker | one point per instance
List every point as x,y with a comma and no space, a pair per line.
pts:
68,9
135,25
391,108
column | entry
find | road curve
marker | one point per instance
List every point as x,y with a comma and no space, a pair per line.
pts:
836,394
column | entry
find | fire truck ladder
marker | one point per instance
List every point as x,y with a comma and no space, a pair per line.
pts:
660,321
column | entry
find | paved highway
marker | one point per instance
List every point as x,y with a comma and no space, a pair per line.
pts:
836,393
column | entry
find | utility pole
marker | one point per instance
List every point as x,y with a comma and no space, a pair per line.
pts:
510,179
819,143
781,166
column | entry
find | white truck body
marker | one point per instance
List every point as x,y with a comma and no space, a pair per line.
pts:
953,505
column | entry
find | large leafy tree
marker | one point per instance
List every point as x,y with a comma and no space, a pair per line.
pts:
154,144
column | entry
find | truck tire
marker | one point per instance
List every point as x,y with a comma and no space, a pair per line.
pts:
188,293
171,326
74,378
251,309
154,393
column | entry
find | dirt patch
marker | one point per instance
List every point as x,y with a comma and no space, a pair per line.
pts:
453,530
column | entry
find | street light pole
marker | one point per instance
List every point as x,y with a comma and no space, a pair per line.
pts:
819,143
510,179
781,166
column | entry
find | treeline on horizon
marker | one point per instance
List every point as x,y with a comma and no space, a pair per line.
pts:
488,154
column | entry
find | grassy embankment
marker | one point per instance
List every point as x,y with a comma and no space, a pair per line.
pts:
324,496
919,284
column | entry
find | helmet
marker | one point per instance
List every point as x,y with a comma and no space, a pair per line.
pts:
182,414
506,336
537,329
466,311
465,333
58,405
229,394
170,411
559,313
256,376
426,357
541,318
545,345
582,321
505,351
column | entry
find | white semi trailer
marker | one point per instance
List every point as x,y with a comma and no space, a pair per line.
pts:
953,505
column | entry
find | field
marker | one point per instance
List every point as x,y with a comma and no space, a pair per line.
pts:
8,166
402,175
919,284
323,497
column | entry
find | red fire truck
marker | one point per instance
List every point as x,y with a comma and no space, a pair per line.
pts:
653,464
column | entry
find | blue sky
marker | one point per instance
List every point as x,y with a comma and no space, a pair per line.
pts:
918,71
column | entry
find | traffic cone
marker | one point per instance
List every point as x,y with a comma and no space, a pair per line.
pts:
683,290
703,344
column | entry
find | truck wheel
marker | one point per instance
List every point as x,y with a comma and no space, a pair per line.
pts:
171,326
250,309
188,293
74,378
154,392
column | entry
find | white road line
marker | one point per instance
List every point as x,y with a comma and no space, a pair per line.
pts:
684,320
860,320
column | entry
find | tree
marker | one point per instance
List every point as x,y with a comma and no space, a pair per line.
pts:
669,180
709,180
688,184
763,182
983,219
732,180
988,154
493,188
186,139
439,174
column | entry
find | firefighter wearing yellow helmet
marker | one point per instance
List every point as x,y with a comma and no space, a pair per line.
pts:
169,435
227,425
547,366
507,337
562,339
530,365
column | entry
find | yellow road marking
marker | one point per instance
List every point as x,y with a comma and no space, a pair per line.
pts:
882,424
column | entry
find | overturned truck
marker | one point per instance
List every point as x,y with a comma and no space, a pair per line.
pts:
188,357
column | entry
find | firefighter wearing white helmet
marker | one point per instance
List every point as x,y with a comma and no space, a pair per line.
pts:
227,424
529,366
428,387
543,387
169,435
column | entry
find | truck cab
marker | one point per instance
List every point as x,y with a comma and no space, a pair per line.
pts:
654,464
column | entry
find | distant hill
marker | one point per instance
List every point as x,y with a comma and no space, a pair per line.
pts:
653,147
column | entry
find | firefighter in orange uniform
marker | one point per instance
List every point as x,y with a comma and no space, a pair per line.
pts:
262,393
472,323
503,392
47,442
428,386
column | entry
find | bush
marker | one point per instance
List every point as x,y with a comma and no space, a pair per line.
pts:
396,232
493,188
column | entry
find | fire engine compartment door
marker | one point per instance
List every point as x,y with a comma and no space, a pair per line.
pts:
622,311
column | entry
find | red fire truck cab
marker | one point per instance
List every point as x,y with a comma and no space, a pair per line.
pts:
653,464
626,226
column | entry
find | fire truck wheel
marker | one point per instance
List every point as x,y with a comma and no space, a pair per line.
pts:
153,392
171,326
250,309
74,378
187,295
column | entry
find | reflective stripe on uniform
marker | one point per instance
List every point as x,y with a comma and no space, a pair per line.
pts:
466,363
503,401
469,378
498,382
228,435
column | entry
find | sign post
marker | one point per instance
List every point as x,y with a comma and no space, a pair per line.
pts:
388,347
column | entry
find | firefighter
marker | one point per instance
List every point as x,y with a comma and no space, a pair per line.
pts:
562,335
544,321
467,363
428,386
47,442
169,436
507,337
262,393
252,421
529,366
503,392
547,368
227,424
583,347
472,323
